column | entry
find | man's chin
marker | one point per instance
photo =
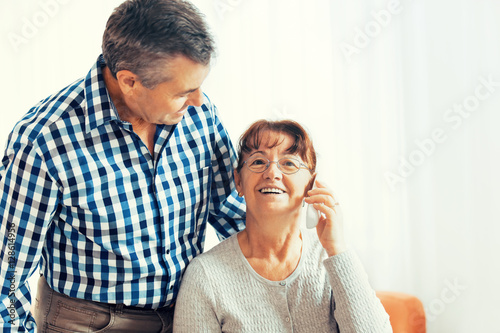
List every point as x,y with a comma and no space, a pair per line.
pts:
173,119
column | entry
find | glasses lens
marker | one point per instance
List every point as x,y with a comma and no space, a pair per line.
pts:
257,164
289,165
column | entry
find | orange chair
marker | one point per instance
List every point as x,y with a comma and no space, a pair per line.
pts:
406,312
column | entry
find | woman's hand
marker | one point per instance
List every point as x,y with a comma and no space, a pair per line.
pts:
330,227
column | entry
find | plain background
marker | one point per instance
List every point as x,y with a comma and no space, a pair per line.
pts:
380,86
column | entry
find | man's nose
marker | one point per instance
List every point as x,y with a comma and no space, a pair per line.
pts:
195,98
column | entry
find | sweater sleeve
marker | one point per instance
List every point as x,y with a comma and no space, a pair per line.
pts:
195,308
357,308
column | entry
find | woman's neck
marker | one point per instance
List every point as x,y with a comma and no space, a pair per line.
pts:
272,253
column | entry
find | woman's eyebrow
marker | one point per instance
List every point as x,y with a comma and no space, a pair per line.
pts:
257,152
286,153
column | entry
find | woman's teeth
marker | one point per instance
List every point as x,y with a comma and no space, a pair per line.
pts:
271,190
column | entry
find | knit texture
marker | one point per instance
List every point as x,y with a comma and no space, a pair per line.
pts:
221,292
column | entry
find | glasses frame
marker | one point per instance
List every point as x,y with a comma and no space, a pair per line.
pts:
301,165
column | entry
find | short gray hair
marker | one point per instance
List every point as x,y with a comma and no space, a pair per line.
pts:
142,35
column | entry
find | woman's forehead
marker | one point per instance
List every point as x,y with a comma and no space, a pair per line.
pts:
270,140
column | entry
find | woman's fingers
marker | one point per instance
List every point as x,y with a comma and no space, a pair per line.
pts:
328,213
324,199
321,194
320,188
330,226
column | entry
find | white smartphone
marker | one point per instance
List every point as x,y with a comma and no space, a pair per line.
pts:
312,215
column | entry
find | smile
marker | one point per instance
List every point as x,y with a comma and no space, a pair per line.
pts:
271,190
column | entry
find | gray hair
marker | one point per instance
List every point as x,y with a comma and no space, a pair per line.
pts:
142,35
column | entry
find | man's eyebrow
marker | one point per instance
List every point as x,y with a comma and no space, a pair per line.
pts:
188,91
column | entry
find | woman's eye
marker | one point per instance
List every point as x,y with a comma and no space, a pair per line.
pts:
288,163
258,161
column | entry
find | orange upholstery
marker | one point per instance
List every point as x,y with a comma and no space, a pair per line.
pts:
406,312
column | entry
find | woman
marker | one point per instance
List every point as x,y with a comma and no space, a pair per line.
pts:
273,276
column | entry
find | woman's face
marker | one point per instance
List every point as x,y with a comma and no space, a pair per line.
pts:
272,192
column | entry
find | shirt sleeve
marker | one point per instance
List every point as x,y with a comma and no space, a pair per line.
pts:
227,209
28,199
195,305
357,308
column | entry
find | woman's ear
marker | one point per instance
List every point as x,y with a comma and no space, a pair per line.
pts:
310,185
237,181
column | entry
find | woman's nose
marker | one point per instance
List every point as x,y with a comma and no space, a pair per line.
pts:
273,172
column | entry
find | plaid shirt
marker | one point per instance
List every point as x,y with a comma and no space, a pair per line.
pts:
108,221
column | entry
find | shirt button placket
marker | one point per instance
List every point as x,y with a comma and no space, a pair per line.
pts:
153,191
288,317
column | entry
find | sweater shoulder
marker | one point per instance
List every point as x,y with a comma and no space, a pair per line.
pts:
217,258
315,250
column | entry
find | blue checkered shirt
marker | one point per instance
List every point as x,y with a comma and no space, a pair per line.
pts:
81,194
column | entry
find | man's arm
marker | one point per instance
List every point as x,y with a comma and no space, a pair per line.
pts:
227,210
28,199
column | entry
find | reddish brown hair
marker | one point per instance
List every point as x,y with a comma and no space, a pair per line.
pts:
302,143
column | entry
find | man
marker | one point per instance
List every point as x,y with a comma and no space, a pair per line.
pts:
109,183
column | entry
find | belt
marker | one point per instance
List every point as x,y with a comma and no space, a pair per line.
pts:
136,309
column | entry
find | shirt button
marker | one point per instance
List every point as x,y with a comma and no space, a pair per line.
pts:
168,251
283,283
287,319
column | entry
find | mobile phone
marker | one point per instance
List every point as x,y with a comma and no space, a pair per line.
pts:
312,215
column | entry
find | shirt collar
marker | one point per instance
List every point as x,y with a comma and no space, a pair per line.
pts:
99,106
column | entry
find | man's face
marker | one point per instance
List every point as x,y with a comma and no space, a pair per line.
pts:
167,102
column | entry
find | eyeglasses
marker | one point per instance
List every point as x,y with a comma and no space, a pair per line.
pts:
286,165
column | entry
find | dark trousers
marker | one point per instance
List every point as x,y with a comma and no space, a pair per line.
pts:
56,312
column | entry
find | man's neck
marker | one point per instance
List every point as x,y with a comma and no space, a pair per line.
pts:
116,95
143,129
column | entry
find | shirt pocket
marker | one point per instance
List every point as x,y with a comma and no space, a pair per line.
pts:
196,188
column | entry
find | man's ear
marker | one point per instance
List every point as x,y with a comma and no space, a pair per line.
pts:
127,81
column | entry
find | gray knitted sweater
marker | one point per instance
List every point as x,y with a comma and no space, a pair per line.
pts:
221,292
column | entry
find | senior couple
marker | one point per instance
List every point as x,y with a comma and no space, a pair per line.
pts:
108,185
